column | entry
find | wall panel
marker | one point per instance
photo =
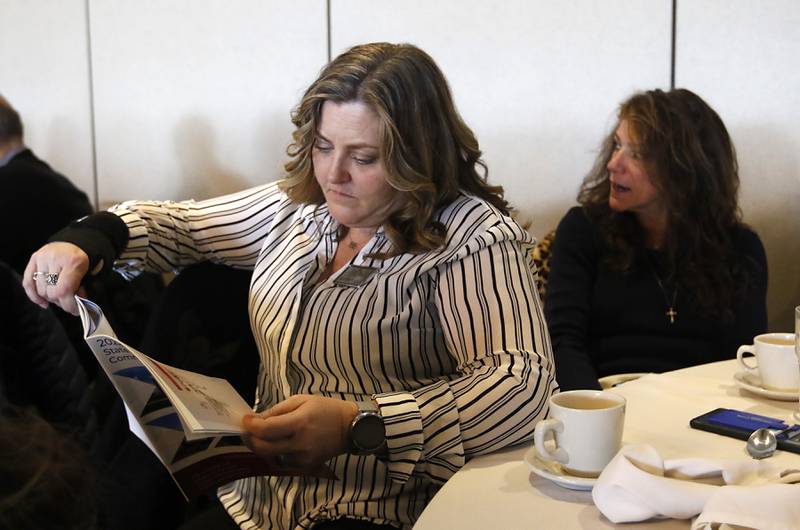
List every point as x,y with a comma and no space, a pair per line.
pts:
193,97
742,58
538,81
44,75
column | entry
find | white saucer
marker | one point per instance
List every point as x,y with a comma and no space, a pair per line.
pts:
554,472
752,383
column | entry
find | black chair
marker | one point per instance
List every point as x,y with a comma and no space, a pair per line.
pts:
199,323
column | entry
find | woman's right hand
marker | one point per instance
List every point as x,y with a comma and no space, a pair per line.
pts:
59,269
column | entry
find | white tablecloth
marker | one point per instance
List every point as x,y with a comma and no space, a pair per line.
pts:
498,491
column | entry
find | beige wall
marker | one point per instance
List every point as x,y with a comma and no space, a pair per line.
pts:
191,98
44,73
743,57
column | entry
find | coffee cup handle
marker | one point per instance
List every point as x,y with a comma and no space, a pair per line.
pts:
747,348
539,435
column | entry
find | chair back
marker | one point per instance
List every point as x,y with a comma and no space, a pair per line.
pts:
541,258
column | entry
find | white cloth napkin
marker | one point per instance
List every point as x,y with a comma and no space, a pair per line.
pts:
638,484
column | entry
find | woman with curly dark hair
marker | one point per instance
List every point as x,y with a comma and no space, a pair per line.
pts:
655,270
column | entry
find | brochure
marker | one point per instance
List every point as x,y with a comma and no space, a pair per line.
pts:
190,421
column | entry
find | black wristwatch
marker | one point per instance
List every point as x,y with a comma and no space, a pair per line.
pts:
367,433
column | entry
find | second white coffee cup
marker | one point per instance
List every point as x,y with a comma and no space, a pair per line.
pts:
587,428
776,362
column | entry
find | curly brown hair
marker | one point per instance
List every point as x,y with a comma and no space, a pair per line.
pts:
690,158
430,154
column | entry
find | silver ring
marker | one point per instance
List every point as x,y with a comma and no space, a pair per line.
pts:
50,278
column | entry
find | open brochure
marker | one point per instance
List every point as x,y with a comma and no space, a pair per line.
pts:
190,421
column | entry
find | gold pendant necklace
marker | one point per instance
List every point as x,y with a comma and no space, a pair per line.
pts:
671,312
352,245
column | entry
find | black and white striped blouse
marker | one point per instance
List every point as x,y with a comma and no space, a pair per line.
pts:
451,343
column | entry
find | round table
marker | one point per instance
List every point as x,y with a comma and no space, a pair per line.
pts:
498,491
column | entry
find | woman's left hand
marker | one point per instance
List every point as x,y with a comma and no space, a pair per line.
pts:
301,432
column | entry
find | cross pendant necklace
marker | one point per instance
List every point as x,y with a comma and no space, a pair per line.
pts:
671,313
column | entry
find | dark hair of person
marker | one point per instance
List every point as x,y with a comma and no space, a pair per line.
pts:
47,480
430,154
10,122
688,154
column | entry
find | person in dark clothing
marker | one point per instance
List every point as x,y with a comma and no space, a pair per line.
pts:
39,368
48,427
655,270
35,200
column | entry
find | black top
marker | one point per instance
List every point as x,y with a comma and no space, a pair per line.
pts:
603,322
35,202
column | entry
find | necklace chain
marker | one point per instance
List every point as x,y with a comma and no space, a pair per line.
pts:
671,312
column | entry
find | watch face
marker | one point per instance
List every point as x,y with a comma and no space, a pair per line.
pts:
369,432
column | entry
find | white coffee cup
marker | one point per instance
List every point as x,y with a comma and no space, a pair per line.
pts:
776,363
587,427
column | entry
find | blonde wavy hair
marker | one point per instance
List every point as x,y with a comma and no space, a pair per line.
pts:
430,154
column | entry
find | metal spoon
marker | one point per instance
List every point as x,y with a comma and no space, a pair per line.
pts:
762,443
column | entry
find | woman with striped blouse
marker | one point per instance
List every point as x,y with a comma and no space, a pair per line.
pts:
392,297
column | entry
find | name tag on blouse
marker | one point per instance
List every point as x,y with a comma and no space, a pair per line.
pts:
355,276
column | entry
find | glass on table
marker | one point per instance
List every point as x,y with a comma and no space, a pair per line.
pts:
797,347
797,332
